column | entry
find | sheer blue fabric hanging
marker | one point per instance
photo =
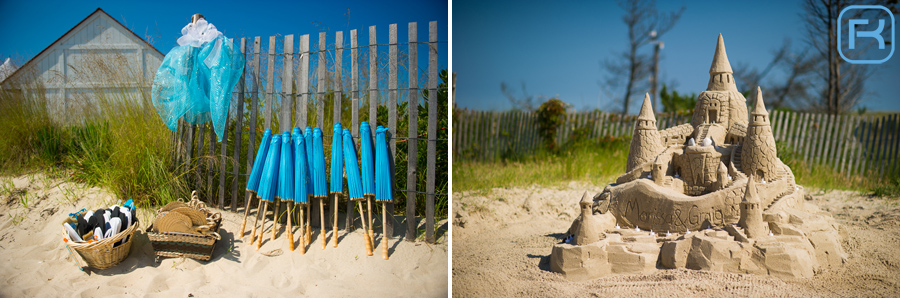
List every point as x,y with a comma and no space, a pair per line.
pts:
196,78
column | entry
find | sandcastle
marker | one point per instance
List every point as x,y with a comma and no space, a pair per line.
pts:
708,195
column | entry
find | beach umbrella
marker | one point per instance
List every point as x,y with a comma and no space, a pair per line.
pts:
286,178
255,172
319,183
308,135
383,191
366,152
268,183
301,178
337,176
354,182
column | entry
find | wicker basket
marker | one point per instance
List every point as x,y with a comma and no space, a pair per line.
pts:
101,254
185,245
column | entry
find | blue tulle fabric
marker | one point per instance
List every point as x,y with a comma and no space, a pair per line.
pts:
196,82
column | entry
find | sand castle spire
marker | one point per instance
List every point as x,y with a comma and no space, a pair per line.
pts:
720,62
647,109
720,73
759,115
588,231
751,212
645,141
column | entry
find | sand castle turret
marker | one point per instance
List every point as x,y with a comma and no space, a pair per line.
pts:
589,230
759,155
645,142
721,111
751,212
721,77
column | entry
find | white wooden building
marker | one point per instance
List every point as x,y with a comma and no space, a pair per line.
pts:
96,58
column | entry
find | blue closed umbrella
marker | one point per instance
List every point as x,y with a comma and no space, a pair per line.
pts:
383,191
308,135
310,184
337,160
319,183
268,183
301,169
285,178
301,183
354,183
337,176
255,172
366,151
367,170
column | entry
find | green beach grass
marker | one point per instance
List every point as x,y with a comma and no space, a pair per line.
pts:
601,161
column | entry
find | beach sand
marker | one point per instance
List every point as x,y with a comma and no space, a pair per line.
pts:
36,263
502,240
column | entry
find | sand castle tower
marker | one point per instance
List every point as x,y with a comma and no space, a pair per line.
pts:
646,143
758,153
589,230
721,77
721,107
751,212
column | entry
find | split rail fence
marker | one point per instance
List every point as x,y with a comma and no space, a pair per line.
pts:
850,144
304,91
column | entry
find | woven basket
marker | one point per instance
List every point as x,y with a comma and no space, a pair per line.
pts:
101,254
175,245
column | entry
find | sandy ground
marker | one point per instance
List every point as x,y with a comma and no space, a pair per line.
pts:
502,241
34,261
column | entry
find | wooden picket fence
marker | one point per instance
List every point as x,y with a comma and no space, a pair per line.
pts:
850,144
258,84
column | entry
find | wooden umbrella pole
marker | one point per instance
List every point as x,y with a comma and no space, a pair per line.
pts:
334,228
369,199
256,221
367,241
302,227
322,219
246,211
263,226
308,222
384,236
275,219
290,228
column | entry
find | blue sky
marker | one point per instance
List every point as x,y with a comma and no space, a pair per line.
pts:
555,48
28,27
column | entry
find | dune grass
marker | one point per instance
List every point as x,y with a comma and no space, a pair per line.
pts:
598,162
118,141
601,161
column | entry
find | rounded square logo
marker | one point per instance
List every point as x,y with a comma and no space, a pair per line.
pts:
866,34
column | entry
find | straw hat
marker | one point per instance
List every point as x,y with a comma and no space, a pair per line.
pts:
172,205
174,222
197,217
